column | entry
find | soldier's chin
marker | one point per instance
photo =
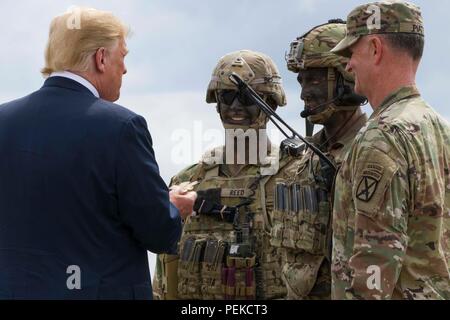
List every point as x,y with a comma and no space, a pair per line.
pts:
238,123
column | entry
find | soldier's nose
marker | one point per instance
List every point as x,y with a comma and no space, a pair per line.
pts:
236,105
305,96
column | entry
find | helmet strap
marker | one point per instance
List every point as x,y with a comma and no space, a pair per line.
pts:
331,83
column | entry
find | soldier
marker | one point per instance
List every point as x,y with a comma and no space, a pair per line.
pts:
391,212
304,227
224,251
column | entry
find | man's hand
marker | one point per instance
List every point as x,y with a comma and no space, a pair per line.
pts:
183,198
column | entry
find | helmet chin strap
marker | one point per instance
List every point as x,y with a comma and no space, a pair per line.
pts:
331,83
329,107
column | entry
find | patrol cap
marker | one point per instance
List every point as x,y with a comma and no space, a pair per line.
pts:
380,18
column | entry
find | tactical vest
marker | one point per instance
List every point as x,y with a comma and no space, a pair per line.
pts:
300,225
226,257
302,209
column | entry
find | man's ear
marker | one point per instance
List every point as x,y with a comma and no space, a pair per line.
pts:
376,49
99,57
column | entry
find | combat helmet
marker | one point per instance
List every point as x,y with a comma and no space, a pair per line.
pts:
255,68
313,50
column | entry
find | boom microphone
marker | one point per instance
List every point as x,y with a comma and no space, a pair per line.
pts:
319,108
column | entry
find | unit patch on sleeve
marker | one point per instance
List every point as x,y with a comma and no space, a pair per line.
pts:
370,179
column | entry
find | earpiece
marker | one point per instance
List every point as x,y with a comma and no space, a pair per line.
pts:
345,95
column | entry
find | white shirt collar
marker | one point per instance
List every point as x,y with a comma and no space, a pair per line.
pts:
77,78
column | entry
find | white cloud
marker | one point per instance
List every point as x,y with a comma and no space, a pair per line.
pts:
309,6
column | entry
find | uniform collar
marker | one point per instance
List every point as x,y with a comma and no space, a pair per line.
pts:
396,96
351,132
320,138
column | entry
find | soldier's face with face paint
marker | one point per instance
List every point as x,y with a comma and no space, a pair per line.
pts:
314,82
236,109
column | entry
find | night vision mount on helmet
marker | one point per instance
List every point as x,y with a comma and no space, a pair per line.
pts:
312,50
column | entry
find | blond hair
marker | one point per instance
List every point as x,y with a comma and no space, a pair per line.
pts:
76,35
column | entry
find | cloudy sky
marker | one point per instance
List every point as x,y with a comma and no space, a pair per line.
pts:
175,46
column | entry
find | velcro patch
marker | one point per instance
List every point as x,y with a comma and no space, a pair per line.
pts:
235,193
368,184
373,179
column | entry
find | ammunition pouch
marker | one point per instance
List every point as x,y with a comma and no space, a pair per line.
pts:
212,269
300,217
313,221
281,222
189,284
238,278
237,260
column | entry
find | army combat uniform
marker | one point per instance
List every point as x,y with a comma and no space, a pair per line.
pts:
392,206
391,216
302,215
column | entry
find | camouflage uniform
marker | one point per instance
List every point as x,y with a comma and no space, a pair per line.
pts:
303,230
209,265
391,216
307,269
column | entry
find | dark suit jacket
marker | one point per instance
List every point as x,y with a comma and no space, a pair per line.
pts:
79,186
